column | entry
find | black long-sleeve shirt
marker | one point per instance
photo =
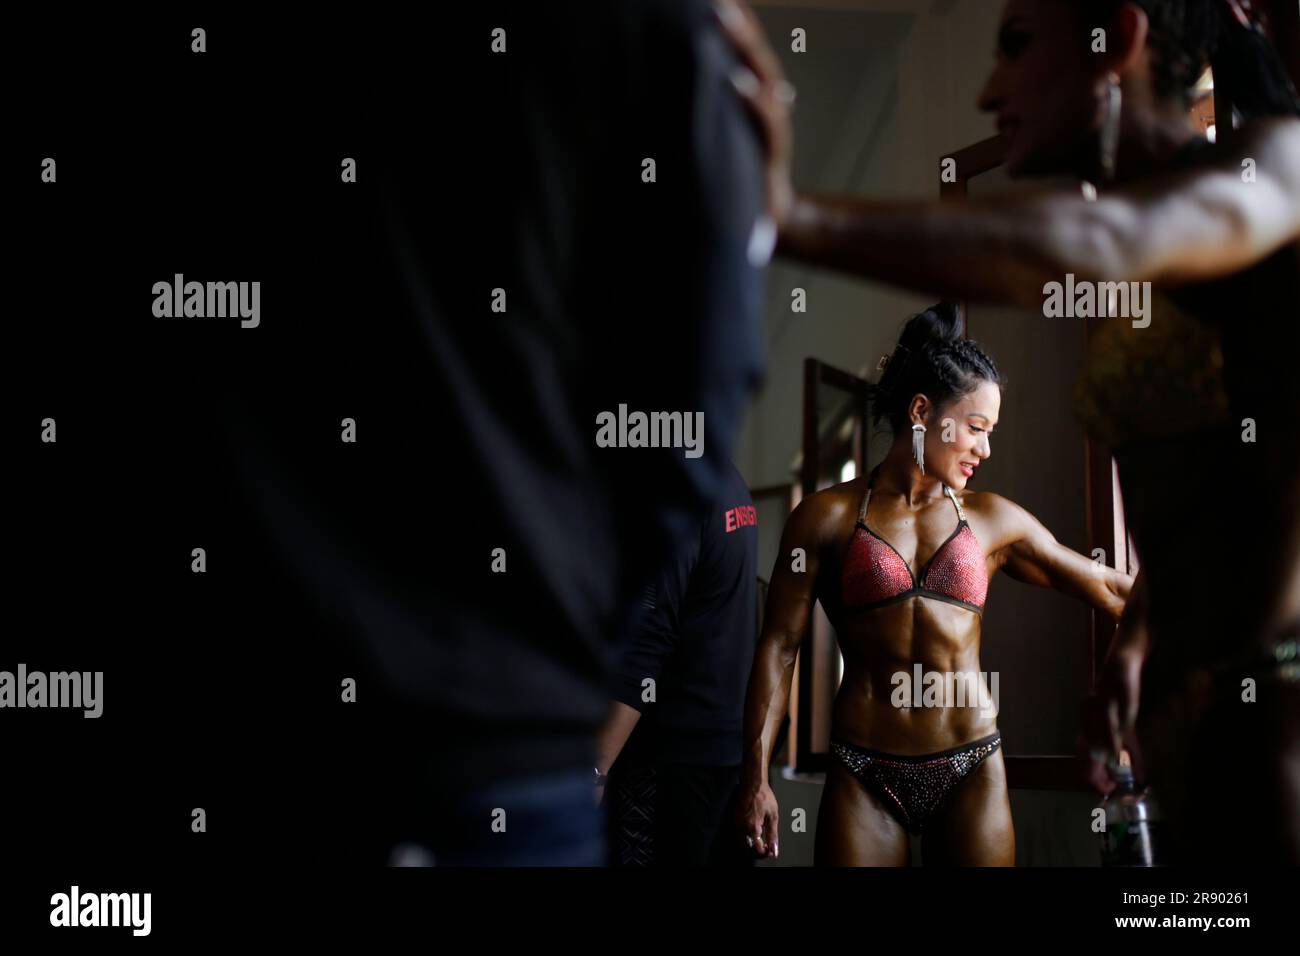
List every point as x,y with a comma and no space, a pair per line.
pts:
694,644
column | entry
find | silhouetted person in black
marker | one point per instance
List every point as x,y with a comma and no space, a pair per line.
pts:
678,714
395,475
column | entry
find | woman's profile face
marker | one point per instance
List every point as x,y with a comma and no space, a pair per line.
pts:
1043,88
958,437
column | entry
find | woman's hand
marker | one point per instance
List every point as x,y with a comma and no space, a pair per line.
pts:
757,819
762,85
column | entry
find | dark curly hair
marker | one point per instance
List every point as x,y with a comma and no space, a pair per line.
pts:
931,359
1185,36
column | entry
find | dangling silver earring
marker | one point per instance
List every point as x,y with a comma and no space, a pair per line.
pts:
918,446
1110,127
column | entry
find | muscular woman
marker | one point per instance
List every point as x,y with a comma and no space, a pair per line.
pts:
901,562
1201,408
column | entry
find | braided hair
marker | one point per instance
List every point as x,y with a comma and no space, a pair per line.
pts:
932,359
1185,36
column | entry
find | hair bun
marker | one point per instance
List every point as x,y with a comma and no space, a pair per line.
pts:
935,328
932,358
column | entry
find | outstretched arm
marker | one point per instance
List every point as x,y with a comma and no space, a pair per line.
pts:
1029,552
1197,224
1033,555
1194,225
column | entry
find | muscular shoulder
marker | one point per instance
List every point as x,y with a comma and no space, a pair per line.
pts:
988,505
828,515
1270,145
1002,519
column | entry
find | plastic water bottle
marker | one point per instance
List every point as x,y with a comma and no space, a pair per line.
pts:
1131,837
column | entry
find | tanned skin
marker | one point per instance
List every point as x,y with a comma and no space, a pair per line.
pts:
1203,508
910,510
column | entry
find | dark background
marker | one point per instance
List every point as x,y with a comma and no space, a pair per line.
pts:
222,690
223,166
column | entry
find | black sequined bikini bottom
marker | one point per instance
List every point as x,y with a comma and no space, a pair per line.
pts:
912,787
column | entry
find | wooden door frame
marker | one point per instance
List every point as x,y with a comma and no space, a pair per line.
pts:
970,161
817,373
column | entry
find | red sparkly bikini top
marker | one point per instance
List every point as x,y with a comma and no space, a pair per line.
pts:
875,574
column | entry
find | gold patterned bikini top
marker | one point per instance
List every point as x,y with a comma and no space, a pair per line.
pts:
1141,384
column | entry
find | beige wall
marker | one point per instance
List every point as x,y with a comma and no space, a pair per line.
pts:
884,93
